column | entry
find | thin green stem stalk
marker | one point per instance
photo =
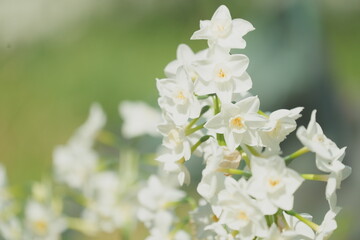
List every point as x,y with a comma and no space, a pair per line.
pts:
288,159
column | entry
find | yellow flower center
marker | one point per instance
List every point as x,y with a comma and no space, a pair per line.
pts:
273,182
221,73
180,95
242,216
40,227
237,122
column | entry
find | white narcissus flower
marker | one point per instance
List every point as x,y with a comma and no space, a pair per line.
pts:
75,162
212,181
12,229
177,98
279,124
328,225
162,228
201,218
156,196
186,59
335,179
240,212
240,123
272,184
224,31
43,222
107,208
315,140
139,119
223,74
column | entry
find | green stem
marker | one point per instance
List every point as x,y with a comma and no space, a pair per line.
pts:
311,224
217,104
316,177
192,122
253,151
220,139
244,156
234,171
192,130
288,159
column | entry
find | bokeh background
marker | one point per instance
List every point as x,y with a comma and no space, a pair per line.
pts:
58,57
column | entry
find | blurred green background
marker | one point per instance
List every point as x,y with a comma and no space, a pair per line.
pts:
55,60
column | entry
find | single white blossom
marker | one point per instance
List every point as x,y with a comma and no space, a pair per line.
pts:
223,74
272,184
139,119
279,124
223,31
240,212
240,123
177,98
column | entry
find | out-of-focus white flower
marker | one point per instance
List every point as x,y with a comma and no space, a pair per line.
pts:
240,212
139,119
223,74
108,208
177,98
273,184
162,228
185,59
240,123
156,196
280,123
43,222
224,31
12,229
201,218
75,162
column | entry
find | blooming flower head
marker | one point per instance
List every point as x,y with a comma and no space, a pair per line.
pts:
273,184
239,123
223,31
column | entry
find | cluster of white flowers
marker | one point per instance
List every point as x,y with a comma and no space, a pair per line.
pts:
247,186
207,110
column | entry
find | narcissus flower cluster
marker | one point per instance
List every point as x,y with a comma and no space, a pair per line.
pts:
248,184
245,190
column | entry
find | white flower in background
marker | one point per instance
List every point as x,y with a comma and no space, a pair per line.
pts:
328,225
11,229
239,123
315,140
75,162
162,228
139,119
240,212
223,74
272,184
279,124
157,196
43,222
223,31
201,218
186,59
107,208
177,98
